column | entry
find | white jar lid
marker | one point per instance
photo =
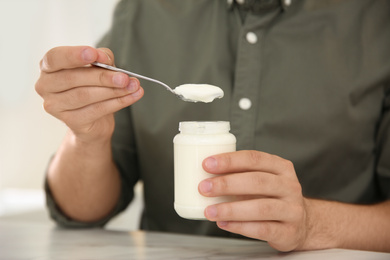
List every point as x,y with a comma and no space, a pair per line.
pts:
204,127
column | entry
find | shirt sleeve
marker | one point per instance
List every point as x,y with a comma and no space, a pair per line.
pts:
62,220
124,155
383,141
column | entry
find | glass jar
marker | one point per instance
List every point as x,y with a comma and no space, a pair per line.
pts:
195,142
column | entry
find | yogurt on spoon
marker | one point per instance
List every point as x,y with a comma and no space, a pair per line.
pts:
187,92
199,92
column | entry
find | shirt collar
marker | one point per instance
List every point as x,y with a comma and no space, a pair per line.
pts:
258,5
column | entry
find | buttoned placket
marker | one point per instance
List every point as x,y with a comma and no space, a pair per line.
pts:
247,83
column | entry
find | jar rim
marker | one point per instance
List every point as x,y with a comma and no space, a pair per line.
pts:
204,127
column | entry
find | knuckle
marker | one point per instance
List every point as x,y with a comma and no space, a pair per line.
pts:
69,55
292,187
265,231
39,87
264,209
69,78
81,95
255,157
296,188
258,180
102,77
225,161
288,165
99,109
48,106
227,211
221,185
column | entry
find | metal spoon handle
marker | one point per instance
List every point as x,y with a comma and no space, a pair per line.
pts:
105,66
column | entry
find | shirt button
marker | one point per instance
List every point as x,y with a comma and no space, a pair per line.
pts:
240,1
251,37
230,2
287,2
245,103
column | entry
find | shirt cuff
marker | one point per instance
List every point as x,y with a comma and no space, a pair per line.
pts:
62,220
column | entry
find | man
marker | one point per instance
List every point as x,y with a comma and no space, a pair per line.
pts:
307,94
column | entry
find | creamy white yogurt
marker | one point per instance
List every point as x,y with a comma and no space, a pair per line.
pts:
199,92
195,142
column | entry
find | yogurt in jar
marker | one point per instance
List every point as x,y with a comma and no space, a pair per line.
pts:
195,142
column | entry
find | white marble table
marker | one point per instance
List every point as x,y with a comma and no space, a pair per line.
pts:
35,241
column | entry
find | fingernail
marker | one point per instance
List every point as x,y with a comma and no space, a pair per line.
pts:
211,211
133,85
205,186
44,66
88,55
118,80
108,56
211,163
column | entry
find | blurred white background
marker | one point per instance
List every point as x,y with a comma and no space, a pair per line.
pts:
29,28
29,136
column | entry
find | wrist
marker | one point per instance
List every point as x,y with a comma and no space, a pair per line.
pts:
96,134
88,148
321,232
82,141
77,155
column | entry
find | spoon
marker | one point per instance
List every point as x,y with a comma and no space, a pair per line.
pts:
105,66
186,92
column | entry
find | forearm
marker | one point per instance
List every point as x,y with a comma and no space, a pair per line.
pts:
84,180
334,224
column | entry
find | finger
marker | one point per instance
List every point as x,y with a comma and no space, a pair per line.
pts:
105,53
279,235
68,57
245,161
248,183
68,79
93,112
252,210
83,96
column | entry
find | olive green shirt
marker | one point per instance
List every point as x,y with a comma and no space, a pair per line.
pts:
307,81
